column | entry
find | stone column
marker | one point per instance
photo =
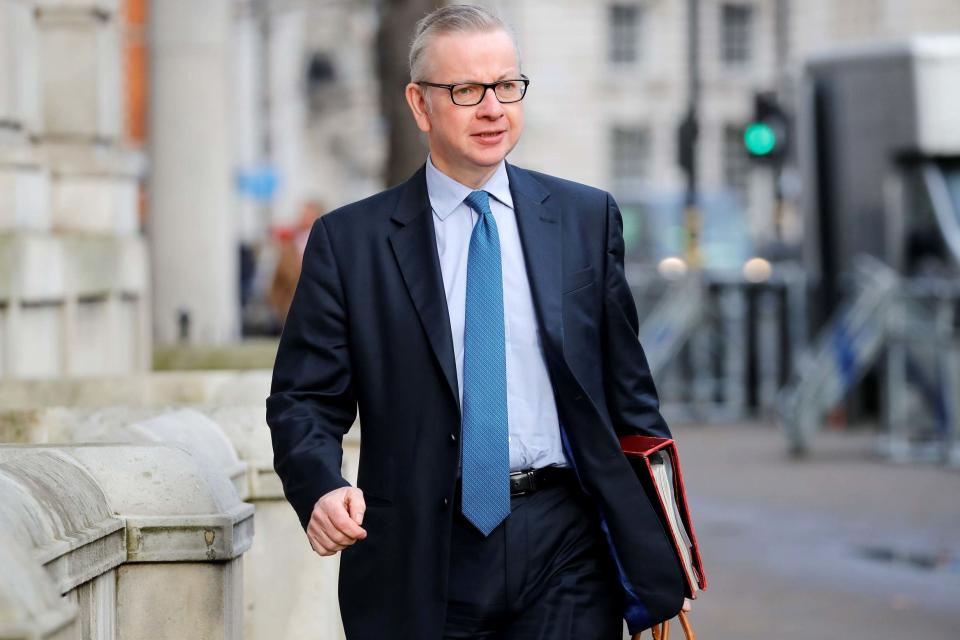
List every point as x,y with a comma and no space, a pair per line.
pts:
192,216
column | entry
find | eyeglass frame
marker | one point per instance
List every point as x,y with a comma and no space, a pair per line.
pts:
486,85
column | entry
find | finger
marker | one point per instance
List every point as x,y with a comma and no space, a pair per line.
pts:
346,527
320,551
341,520
687,604
315,545
331,532
356,505
335,511
320,528
325,542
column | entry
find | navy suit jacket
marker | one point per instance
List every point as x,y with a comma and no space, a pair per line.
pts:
368,330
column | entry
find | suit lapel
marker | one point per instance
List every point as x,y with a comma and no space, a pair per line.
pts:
539,223
415,248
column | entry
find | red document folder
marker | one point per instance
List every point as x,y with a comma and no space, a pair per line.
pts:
657,465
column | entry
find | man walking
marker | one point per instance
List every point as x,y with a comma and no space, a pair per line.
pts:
479,319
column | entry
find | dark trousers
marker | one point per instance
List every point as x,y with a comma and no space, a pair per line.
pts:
545,572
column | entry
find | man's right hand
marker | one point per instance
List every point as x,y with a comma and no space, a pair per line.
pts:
335,521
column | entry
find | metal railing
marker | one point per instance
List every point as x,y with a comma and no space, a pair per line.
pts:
719,346
906,327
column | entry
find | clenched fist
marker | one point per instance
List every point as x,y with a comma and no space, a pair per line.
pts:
335,521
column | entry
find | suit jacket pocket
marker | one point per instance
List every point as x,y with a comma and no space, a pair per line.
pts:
370,568
375,500
578,280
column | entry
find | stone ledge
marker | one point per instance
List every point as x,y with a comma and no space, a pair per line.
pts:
155,389
187,428
48,268
101,552
194,538
73,533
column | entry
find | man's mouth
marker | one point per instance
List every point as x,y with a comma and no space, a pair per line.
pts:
489,136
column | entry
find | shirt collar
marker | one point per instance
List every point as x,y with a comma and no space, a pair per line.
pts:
446,194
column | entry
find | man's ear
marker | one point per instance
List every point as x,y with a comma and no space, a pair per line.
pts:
418,105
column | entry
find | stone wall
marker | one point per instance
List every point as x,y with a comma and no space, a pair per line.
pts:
73,265
219,419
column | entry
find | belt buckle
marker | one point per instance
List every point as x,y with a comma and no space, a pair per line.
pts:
525,481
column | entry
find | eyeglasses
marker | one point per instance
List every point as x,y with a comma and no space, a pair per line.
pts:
472,93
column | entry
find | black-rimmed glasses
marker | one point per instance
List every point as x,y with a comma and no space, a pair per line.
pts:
469,94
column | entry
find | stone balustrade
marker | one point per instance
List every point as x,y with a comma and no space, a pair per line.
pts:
31,607
144,541
288,591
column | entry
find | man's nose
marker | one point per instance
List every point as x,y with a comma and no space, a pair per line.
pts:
489,107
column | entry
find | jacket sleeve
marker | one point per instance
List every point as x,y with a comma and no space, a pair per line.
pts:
311,404
631,395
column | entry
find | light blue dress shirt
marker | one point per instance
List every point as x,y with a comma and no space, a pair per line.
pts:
531,407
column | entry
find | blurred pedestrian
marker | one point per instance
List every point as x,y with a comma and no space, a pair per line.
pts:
291,243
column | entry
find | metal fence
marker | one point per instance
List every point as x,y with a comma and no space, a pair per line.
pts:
724,349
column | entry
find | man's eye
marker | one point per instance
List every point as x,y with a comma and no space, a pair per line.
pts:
465,90
509,85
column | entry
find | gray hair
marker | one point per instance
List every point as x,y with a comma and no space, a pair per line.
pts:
454,18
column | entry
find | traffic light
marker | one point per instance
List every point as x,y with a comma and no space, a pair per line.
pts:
687,133
767,135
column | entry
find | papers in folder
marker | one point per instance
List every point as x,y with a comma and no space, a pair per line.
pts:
657,465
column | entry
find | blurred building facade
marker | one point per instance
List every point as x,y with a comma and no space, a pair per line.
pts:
306,122
609,89
74,285
253,107
610,85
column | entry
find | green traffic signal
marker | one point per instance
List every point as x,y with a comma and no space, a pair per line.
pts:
760,139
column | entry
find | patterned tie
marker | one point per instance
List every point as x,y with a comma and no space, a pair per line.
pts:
486,451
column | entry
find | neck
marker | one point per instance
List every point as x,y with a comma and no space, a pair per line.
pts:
473,177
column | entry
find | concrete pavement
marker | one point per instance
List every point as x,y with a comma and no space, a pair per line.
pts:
839,545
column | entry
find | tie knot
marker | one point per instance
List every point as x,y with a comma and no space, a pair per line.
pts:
479,201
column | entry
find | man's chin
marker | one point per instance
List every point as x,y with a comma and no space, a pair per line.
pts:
490,156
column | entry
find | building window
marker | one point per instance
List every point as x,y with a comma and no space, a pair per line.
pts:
737,25
630,156
736,162
624,31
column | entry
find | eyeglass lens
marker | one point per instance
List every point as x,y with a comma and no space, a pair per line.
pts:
471,94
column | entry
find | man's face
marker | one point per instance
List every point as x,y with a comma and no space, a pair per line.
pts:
467,143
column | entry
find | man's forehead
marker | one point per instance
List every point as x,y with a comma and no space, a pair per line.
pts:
470,55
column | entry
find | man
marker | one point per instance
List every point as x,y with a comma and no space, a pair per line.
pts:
479,319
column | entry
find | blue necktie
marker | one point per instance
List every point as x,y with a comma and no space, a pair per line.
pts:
486,451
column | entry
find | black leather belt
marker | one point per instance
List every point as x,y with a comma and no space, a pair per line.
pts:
530,480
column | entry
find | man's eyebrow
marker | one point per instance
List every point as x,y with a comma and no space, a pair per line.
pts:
511,75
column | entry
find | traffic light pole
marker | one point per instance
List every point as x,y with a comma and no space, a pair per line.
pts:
688,133
767,138
778,202
782,34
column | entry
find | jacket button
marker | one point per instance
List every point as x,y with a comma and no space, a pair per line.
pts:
578,397
453,437
445,503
